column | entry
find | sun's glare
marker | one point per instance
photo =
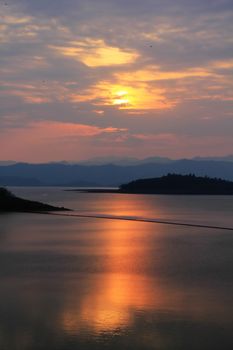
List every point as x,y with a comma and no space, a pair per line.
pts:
130,97
121,98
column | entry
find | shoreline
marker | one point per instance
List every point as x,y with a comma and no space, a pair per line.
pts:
106,191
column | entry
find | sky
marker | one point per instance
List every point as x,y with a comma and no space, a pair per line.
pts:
91,78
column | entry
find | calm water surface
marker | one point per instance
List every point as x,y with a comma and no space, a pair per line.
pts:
72,283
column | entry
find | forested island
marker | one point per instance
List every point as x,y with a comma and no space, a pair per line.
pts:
179,184
10,203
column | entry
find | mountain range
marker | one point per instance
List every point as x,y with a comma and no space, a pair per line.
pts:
117,160
111,173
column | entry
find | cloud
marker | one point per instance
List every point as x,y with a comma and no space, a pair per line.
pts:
152,67
52,129
95,53
121,7
38,141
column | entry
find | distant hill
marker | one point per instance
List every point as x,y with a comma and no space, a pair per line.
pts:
7,162
179,184
128,161
10,203
124,161
18,181
57,174
228,158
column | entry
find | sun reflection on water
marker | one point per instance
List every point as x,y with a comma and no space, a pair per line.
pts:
113,296
100,283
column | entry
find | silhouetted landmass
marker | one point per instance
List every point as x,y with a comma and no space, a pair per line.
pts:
18,181
124,161
179,184
108,175
228,158
10,203
7,162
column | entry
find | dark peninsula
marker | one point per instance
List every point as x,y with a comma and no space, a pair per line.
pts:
179,184
10,203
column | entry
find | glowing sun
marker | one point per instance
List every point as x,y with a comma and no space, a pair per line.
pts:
121,98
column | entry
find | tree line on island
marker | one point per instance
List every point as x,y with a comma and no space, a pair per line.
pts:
179,184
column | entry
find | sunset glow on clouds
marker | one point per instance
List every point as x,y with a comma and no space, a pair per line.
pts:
95,53
110,77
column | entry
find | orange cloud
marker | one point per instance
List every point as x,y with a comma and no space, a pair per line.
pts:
50,129
47,140
154,73
95,53
223,64
136,90
128,96
59,129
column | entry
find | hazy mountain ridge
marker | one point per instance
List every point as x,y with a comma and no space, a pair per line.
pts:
7,162
58,174
18,181
228,158
125,161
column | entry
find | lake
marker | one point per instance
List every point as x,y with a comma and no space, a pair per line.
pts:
90,283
